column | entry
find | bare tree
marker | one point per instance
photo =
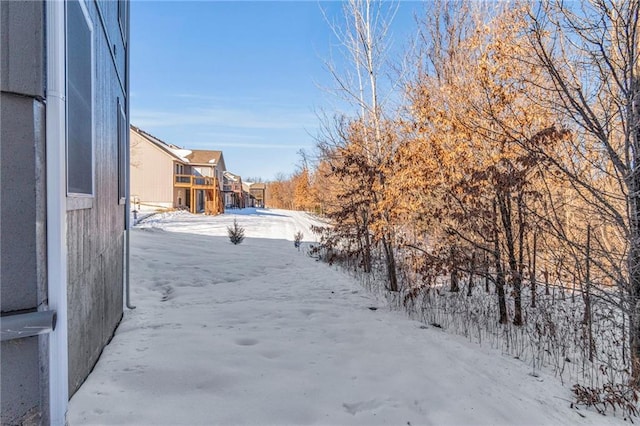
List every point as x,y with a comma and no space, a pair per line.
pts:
590,53
363,35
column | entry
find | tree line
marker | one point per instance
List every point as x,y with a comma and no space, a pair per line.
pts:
501,160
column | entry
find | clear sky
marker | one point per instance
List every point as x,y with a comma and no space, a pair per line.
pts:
246,78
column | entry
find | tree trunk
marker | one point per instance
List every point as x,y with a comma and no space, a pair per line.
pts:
518,320
634,240
586,294
546,281
392,277
454,286
359,239
472,267
486,273
502,301
366,240
533,269
504,202
634,296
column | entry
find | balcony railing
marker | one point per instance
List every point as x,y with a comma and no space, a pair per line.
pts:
194,181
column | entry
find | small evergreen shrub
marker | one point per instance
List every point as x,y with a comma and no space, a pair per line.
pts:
236,233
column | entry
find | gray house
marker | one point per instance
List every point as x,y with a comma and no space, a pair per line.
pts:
64,120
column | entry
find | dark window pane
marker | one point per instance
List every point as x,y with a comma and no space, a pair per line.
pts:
122,153
122,17
79,101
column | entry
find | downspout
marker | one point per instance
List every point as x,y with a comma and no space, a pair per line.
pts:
127,209
56,209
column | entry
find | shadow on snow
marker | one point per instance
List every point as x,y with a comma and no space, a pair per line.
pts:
252,211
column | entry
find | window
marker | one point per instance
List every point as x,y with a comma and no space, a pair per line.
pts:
122,154
79,54
122,18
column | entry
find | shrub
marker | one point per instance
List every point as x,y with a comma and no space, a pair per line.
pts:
297,239
613,395
236,233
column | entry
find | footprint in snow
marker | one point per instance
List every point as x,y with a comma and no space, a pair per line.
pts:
271,354
167,293
246,341
358,407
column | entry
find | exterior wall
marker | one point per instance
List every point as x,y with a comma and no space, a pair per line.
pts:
220,168
203,171
228,199
220,176
95,235
24,362
180,197
151,172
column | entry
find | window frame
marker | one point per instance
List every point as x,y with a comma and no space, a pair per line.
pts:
79,200
123,153
123,12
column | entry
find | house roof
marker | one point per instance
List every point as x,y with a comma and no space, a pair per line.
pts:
173,150
232,176
202,156
191,156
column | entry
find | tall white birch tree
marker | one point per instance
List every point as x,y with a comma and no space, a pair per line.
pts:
363,37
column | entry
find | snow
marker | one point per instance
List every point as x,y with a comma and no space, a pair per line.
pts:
258,223
261,333
181,153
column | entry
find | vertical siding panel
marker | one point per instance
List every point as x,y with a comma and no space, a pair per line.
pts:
94,235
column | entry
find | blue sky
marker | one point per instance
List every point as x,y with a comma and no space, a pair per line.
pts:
247,78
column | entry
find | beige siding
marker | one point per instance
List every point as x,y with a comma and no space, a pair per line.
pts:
204,170
151,172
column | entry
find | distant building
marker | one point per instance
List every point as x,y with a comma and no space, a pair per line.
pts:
246,194
207,164
258,192
168,176
233,193
64,104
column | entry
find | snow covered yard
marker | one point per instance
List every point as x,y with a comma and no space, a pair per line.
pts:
262,334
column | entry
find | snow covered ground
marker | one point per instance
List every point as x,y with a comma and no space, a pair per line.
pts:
262,334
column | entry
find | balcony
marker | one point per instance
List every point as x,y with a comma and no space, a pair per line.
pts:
197,182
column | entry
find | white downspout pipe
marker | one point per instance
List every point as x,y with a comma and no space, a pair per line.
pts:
57,210
128,170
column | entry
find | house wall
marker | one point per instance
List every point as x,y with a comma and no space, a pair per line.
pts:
151,172
95,235
220,168
204,171
23,364
228,199
180,197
